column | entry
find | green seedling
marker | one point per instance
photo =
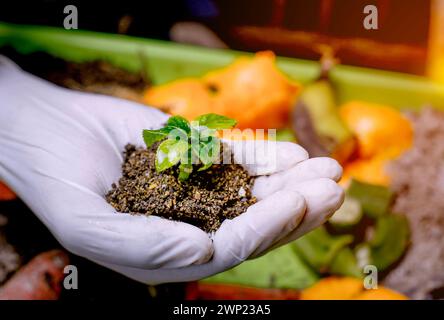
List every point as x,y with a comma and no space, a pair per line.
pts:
186,144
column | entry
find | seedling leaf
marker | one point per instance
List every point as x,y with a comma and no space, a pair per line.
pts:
215,121
169,154
152,136
187,143
179,122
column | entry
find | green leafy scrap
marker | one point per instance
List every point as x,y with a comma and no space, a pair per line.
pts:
345,264
389,240
280,268
375,200
318,248
179,122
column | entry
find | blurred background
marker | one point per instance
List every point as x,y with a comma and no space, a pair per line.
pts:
408,38
390,220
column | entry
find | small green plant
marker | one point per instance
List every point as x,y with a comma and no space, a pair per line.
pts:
188,143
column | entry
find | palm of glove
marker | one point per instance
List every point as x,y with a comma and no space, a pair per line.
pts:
61,151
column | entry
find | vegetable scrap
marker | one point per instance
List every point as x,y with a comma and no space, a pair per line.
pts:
318,125
374,200
349,214
186,97
210,291
377,128
251,90
388,242
280,268
318,248
39,279
6,194
382,134
346,288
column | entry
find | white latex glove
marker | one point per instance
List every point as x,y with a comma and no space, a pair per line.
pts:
61,150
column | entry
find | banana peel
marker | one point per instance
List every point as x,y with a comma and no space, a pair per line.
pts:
318,125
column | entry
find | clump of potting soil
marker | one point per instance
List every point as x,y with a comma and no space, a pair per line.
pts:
205,199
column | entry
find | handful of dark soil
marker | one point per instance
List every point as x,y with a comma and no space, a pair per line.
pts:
205,200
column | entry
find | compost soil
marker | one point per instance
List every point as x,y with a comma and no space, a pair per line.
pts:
205,200
92,76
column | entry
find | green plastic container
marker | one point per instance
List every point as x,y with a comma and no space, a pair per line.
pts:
167,61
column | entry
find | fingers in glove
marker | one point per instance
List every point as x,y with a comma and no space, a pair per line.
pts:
310,169
323,197
148,242
263,157
259,227
236,240
5,62
86,225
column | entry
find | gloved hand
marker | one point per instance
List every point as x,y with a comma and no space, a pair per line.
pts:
61,150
